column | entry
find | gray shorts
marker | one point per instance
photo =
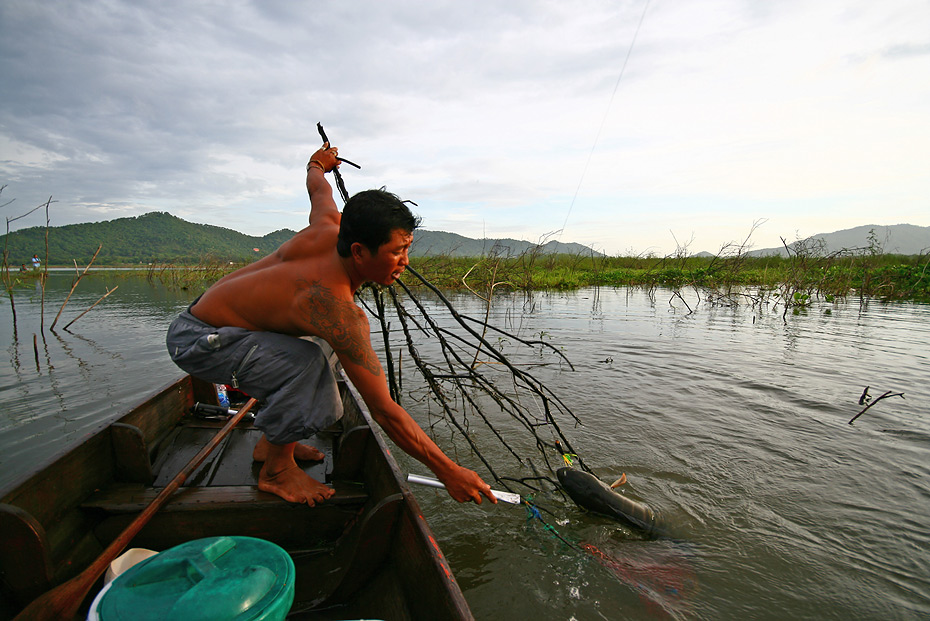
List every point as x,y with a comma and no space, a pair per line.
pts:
290,376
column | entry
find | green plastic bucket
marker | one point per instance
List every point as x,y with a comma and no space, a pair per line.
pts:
219,578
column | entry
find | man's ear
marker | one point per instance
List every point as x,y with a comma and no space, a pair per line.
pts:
358,250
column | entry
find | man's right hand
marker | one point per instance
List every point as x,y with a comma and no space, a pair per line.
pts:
465,485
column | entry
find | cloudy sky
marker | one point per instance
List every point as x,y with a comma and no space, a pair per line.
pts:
630,126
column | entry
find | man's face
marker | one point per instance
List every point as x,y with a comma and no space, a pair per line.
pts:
391,260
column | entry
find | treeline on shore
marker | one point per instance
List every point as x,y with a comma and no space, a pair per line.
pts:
159,237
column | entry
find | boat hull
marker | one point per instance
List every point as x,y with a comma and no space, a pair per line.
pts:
365,552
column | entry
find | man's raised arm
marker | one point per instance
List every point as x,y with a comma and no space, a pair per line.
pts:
322,206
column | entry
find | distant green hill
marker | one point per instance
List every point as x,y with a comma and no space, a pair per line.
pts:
155,237
159,237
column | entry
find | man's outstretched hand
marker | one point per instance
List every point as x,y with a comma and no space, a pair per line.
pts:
465,485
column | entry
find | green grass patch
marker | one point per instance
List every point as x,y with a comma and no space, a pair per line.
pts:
889,277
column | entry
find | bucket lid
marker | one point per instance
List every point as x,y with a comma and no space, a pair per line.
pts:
239,578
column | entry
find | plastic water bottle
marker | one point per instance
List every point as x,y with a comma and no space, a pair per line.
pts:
221,395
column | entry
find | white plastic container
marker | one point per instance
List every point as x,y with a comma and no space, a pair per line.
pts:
120,564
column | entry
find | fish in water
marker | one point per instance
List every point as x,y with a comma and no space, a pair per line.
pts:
592,494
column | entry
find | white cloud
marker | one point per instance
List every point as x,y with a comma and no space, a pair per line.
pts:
488,115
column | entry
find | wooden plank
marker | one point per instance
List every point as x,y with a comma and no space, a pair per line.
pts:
350,453
129,498
162,411
48,494
202,391
131,454
382,598
351,412
209,512
427,579
429,583
231,462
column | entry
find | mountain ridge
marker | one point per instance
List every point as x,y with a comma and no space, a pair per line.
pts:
159,237
903,239
906,239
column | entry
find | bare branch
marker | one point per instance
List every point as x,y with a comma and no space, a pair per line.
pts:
74,286
884,396
109,291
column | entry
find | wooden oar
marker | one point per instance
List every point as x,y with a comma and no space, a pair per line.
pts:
63,601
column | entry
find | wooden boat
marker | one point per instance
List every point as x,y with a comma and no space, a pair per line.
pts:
367,552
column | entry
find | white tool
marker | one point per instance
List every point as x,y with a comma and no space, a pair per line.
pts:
509,497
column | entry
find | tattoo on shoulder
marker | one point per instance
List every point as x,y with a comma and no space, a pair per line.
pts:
338,322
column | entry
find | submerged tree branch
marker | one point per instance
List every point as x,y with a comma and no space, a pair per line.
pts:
74,286
462,370
468,382
884,396
109,291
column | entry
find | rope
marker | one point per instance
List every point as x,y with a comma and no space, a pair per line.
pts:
532,512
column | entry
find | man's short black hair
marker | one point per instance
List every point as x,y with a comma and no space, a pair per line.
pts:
370,217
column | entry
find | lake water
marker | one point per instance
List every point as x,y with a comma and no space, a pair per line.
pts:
729,421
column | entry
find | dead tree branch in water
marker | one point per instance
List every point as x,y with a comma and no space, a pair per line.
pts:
486,299
8,281
456,376
74,286
865,398
44,278
338,175
105,295
460,369
393,378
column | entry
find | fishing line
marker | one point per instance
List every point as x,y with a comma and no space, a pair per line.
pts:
604,120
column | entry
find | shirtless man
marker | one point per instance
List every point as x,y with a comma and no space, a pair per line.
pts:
244,330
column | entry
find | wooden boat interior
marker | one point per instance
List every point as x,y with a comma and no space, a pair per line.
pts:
365,552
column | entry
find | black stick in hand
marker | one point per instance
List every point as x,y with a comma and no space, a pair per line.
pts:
339,183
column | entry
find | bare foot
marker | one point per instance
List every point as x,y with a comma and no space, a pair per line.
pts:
302,452
294,485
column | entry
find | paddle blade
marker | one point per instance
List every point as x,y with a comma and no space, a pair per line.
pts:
63,601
